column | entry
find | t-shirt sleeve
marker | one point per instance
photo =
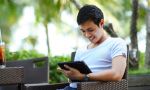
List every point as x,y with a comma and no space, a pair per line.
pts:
78,54
119,48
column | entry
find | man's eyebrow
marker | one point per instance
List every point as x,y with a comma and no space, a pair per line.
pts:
81,29
86,29
89,28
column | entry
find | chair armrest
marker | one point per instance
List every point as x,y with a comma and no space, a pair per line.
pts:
103,85
47,86
94,85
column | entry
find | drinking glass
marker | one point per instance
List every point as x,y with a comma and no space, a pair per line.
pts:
2,55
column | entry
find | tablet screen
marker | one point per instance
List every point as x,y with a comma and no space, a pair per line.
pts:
79,65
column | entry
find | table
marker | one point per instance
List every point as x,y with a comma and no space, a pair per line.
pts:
12,75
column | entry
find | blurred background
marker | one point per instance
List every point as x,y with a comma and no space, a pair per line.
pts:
49,28
25,24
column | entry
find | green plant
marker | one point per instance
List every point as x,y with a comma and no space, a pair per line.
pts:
139,71
55,75
141,60
142,69
22,54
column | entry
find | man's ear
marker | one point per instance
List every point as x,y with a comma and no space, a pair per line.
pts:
101,23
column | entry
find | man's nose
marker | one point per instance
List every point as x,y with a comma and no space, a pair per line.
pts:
87,34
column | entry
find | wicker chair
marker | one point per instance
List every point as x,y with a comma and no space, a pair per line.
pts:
36,71
11,76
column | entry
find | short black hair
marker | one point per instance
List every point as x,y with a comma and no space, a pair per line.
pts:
89,12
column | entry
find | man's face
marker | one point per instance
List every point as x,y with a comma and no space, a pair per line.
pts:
91,31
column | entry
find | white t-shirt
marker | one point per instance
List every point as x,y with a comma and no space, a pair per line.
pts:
100,57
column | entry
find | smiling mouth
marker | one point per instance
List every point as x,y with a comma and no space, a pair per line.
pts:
91,38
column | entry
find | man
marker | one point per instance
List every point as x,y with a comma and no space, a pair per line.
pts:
105,56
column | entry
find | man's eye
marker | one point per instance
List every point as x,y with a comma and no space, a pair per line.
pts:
83,31
90,30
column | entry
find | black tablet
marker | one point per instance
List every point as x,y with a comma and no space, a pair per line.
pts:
79,65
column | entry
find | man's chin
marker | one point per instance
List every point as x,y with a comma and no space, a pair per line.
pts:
92,41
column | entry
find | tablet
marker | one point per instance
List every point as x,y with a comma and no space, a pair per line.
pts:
79,65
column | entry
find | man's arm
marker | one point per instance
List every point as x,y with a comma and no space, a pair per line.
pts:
114,74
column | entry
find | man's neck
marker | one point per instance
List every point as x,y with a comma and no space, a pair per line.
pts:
104,37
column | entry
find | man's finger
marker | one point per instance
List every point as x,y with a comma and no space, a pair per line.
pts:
59,69
68,67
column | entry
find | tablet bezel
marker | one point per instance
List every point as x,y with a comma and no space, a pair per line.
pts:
79,65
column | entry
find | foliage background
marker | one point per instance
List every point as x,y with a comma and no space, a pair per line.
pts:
117,12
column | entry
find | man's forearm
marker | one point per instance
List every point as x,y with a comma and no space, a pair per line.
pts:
107,75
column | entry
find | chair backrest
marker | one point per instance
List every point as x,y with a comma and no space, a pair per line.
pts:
125,76
73,56
35,70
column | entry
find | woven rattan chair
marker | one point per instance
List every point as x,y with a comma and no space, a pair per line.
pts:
36,71
11,76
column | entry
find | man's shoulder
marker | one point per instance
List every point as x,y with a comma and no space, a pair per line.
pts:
117,40
117,43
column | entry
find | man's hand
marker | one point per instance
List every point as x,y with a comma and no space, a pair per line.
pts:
72,73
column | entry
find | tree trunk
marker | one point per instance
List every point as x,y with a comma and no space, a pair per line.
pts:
47,38
77,4
147,54
110,30
133,54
